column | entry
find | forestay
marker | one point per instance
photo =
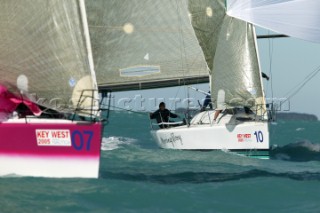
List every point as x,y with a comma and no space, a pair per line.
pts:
143,44
43,52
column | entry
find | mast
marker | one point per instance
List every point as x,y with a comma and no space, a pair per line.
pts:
87,39
85,95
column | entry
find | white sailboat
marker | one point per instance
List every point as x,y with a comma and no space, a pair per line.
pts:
230,48
47,81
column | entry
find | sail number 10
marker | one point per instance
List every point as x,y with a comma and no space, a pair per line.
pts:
259,136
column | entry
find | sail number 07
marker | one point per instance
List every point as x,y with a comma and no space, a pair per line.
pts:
78,139
259,136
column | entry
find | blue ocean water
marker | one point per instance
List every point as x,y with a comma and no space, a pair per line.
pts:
137,176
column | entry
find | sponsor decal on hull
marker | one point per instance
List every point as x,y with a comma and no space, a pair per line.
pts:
247,137
244,137
171,139
53,137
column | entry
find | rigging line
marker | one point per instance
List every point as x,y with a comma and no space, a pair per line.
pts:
128,110
308,76
188,63
302,84
270,41
197,55
182,49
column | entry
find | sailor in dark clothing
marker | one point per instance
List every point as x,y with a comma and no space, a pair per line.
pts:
207,101
162,115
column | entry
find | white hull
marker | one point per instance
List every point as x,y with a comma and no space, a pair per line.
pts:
52,167
226,134
50,148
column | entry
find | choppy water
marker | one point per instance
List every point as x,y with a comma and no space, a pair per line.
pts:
137,176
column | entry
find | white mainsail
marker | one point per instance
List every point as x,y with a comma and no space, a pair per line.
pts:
296,18
43,51
143,44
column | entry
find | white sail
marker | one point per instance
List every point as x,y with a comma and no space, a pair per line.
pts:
230,51
207,17
141,44
236,76
296,18
44,52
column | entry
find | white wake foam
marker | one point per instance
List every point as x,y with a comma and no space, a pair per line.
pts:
113,142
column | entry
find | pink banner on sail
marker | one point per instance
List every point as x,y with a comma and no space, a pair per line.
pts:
10,101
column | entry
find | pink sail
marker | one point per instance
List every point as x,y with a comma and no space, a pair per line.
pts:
9,102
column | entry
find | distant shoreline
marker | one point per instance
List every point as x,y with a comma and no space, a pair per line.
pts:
296,116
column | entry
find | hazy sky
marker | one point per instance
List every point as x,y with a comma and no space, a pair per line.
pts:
291,61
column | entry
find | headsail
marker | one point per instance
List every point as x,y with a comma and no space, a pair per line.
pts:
43,51
235,71
142,44
296,18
